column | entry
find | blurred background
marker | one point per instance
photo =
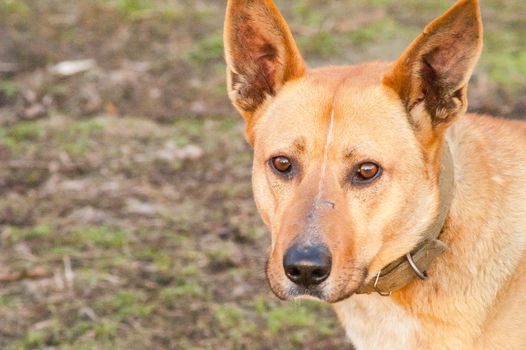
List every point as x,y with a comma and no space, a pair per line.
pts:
126,213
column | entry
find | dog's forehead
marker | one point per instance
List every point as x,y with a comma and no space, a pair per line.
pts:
363,108
372,113
302,109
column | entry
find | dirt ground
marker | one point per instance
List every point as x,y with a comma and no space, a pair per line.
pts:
126,213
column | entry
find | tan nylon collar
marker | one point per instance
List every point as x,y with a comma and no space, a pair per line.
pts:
405,269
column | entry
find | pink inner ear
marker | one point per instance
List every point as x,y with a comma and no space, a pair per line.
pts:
450,52
258,55
266,59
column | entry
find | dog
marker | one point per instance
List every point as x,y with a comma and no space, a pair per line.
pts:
382,195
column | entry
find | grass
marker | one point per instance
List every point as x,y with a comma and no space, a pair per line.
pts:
106,330
20,138
505,57
187,130
73,136
418,6
102,333
24,132
101,237
188,290
125,304
228,316
19,234
300,315
306,15
137,10
209,48
379,30
76,138
8,88
320,44
188,275
14,8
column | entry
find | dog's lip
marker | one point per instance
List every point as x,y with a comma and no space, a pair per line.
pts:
306,297
326,291
298,292
318,296
291,292
318,293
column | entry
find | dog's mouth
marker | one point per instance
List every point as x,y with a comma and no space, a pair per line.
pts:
296,292
328,295
337,288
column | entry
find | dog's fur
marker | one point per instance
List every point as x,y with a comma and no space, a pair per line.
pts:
399,115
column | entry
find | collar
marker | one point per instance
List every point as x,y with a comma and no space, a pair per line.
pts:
414,264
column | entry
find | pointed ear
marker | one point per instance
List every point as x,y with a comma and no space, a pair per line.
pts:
434,71
260,52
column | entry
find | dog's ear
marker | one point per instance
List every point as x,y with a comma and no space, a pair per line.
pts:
434,71
260,52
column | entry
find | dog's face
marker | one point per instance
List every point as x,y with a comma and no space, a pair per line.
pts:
346,160
337,165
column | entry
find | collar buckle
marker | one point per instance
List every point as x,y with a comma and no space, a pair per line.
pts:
421,274
376,289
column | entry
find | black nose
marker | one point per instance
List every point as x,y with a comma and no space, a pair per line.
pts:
307,265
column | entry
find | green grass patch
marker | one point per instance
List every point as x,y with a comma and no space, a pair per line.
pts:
25,131
234,324
14,8
34,339
321,44
157,255
8,88
507,69
299,314
376,31
77,330
228,316
205,50
19,234
163,261
306,14
187,290
505,57
101,237
106,329
125,304
62,250
7,301
417,6
190,271
23,136
133,8
20,136
39,339
187,130
190,126
76,138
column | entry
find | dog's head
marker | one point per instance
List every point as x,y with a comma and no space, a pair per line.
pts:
346,159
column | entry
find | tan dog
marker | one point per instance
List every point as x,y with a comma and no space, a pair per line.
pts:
365,174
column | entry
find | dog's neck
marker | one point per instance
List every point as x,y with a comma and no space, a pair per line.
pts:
414,264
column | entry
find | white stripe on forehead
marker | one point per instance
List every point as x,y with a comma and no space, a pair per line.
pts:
323,173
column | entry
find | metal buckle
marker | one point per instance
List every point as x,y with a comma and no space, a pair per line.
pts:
375,286
421,274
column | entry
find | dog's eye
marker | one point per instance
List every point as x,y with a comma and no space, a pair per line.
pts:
366,173
282,165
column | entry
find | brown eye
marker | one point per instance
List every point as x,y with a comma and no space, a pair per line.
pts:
366,173
282,165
